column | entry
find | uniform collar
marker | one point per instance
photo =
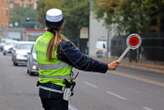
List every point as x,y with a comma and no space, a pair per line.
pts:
48,33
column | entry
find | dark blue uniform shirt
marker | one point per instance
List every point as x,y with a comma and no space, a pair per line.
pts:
72,55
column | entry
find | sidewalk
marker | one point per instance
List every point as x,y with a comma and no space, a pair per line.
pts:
149,66
157,67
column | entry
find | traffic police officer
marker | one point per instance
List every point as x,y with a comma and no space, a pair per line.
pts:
56,56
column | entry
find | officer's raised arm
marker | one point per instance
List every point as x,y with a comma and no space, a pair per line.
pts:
72,55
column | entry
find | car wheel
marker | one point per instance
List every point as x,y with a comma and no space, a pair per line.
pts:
29,72
15,64
4,53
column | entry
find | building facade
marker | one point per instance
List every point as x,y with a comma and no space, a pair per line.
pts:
100,36
4,13
97,32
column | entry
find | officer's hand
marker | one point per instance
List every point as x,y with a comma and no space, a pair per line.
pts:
113,65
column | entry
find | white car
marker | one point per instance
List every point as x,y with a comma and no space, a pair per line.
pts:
21,51
8,46
1,46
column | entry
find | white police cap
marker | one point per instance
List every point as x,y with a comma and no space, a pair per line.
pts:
54,15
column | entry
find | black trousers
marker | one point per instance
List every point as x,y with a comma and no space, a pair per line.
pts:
52,101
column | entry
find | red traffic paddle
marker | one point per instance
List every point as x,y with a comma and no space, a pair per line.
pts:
133,42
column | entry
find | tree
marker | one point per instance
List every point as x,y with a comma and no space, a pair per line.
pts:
20,14
44,5
140,16
131,16
76,14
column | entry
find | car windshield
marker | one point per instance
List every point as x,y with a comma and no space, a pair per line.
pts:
24,46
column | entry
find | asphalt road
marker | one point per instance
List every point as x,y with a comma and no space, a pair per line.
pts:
124,89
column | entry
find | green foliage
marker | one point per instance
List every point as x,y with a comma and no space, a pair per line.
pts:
19,15
76,14
131,16
44,5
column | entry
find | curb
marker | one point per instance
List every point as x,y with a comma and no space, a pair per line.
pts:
148,66
133,66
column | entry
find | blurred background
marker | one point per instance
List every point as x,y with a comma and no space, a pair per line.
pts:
99,28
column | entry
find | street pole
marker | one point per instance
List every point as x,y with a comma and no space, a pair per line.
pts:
90,3
107,54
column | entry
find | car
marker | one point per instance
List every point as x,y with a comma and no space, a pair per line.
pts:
1,46
32,66
8,46
20,52
99,53
3,43
101,49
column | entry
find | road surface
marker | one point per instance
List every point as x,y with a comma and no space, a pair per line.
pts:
124,89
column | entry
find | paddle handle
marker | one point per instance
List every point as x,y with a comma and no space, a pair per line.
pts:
123,54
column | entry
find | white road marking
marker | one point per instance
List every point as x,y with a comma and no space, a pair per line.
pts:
147,108
90,84
116,95
71,107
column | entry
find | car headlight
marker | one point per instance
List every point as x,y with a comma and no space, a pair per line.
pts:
34,67
18,56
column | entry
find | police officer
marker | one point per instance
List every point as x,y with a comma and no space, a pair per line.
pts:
56,56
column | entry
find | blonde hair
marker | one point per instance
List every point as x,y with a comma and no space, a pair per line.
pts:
53,44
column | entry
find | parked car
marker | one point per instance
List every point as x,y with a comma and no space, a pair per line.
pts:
99,53
101,49
32,67
20,52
